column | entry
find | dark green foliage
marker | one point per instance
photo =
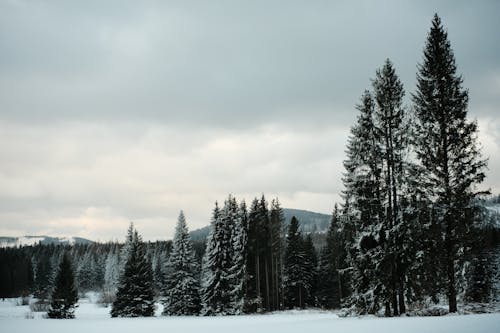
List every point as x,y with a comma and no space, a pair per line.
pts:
332,259
16,272
297,275
134,297
65,294
311,266
446,145
258,257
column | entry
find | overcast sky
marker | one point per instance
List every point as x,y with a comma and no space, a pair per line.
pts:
118,111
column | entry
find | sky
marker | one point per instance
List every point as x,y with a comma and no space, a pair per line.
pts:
120,111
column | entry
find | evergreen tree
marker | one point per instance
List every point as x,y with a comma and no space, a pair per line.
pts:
215,293
393,134
362,218
182,288
296,279
278,244
112,273
446,145
134,297
65,294
263,244
237,271
329,288
311,266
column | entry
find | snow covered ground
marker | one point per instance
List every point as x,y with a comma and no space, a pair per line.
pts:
93,318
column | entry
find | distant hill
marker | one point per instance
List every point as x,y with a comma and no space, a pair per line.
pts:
44,240
309,222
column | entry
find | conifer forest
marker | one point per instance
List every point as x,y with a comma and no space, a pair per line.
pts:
413,228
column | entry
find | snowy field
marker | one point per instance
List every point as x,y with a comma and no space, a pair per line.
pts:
93,318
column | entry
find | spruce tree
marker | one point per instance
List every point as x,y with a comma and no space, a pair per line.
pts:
391,124
446,145
296,275
237,271
311,267
329,289
215,293
278,244
258,257
134,297
65,294
182,287
361,223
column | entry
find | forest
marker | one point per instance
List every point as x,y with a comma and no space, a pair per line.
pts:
413,228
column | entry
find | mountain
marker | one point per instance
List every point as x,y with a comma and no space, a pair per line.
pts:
309,222
44,240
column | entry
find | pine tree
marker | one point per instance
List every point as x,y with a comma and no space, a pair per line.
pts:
446,145
311,267
329,291
65,294
134,297
215,293
278,244
361,222
182,289
237,271
393,134
112,273
296,275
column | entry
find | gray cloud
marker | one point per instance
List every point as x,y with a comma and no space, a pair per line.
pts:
124,110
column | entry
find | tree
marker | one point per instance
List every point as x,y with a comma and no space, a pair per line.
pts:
65,294
111,273
278,244
356,235
393,135
311,267
182,286
446,146
215,276
237,272
134,297
329,291
263,244
297,277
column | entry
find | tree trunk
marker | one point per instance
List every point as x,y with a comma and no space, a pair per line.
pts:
452,292
257,282
266,272
402,307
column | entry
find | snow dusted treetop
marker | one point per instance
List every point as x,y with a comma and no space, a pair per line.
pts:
182,285
134,297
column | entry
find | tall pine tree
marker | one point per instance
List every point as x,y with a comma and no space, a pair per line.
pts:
393,135
361,222
297,277
182,284
446,145
237,271
215,293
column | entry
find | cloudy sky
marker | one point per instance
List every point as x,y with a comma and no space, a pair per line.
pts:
123,111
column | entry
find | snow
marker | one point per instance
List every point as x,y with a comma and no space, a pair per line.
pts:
33,240
495,208
91,317
22,241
